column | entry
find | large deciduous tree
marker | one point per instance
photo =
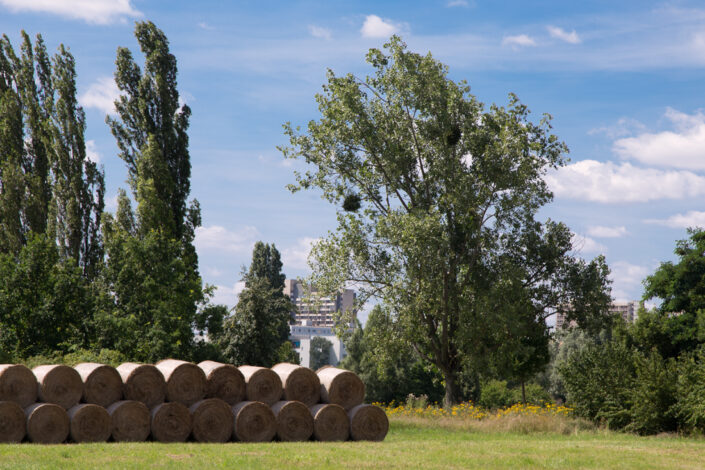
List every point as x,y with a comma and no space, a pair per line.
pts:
438,200
152,266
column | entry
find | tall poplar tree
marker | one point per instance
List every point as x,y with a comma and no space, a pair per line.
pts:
152,266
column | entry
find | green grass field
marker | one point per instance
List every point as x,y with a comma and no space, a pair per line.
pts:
409,444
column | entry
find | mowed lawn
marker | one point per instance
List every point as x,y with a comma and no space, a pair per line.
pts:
407,446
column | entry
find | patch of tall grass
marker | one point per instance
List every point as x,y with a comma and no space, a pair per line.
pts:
519,418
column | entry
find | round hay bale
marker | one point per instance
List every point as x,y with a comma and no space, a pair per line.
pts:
171,422
130,421
341,387
299,383
102,384
142,382
58,384
262,384
47,423
294,421
368,423
330,422
253,422
223,381
212,420
13,426
17,384
89,423
185,381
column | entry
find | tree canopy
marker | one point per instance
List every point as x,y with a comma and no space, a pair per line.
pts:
438,200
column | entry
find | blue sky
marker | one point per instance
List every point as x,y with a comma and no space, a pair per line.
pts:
624,81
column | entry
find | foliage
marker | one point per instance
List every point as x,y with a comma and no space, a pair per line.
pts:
103,356
497,394
49,185
390,370
152,267
320,352
599,383
258,330
46,304
678,325
445,234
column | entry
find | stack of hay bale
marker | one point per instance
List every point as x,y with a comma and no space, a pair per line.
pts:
174,401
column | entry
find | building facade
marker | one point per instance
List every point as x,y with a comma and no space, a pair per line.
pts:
301,336
627,310
313,309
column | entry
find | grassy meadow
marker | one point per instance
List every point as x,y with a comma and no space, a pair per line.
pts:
525,437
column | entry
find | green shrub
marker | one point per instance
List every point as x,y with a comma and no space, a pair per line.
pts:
104,356
654,395
495,394
599,383
535,394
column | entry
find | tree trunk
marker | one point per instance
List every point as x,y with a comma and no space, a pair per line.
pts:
452,396
523,392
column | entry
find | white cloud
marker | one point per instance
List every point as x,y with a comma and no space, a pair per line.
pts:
624,127
457,3
101,95
689,219
600,231
296,256
219,239
92,151
111,203
521,40
563,35
626,278
682,148
608,183
91,11
584,244
227,295
206,26
376,27
320,32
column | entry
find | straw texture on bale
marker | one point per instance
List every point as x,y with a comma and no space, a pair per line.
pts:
299,383
102,384
47,423
185,381
17,384
253,422
341,387
12,422
58,384
142,382
368,423
223,381
262,384
171,422
212,420
330,422
294,421
89,423
130,421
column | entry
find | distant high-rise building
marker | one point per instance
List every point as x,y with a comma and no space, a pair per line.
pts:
627,310
313,309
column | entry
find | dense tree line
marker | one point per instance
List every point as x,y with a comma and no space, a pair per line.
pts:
73,277
648,377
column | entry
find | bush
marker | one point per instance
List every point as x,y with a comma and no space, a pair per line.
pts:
495,394
535,394
599,383
690,391
654,395
104,356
